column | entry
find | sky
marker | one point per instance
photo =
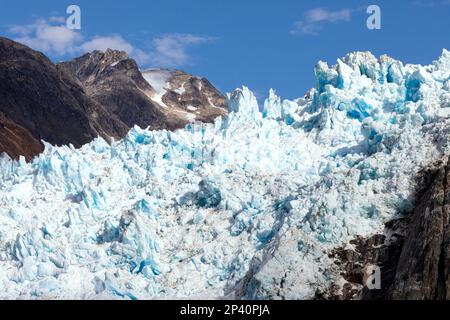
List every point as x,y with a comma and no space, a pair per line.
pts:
261,44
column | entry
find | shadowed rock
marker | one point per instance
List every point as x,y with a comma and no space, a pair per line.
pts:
413,253
423,271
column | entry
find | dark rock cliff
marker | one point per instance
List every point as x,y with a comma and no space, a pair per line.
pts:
423,271
413,253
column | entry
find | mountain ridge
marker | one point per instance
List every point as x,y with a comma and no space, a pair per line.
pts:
98,94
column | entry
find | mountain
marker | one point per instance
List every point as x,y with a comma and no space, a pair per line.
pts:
100,94
294,202
161,99
49,103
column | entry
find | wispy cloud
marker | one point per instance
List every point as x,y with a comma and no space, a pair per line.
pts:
52,37
314,20
45,35
115,42
172,49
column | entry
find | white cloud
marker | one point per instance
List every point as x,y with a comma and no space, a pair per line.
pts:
171,50
314,20
57,19
52,37
44,36
116,42
102,43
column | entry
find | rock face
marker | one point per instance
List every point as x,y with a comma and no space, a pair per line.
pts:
101,93
159,99
414,251
16,140
382,250
423,271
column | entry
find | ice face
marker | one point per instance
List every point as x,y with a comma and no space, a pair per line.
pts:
230,209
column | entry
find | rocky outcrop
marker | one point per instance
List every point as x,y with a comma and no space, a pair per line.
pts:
413,253
381,250
423,271
17,141
159,99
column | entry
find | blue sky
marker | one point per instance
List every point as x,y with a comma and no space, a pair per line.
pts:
261,44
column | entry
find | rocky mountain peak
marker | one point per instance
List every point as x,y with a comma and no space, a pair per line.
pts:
159,98
94,67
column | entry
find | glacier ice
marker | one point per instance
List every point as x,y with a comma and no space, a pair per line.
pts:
230,209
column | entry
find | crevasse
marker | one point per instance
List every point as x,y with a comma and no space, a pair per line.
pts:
230,209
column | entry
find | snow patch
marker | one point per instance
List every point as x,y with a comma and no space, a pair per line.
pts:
181,90
158,79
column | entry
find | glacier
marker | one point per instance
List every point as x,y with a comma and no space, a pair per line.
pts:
244,208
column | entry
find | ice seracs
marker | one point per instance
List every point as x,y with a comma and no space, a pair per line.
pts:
244,102
273,108
231,209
